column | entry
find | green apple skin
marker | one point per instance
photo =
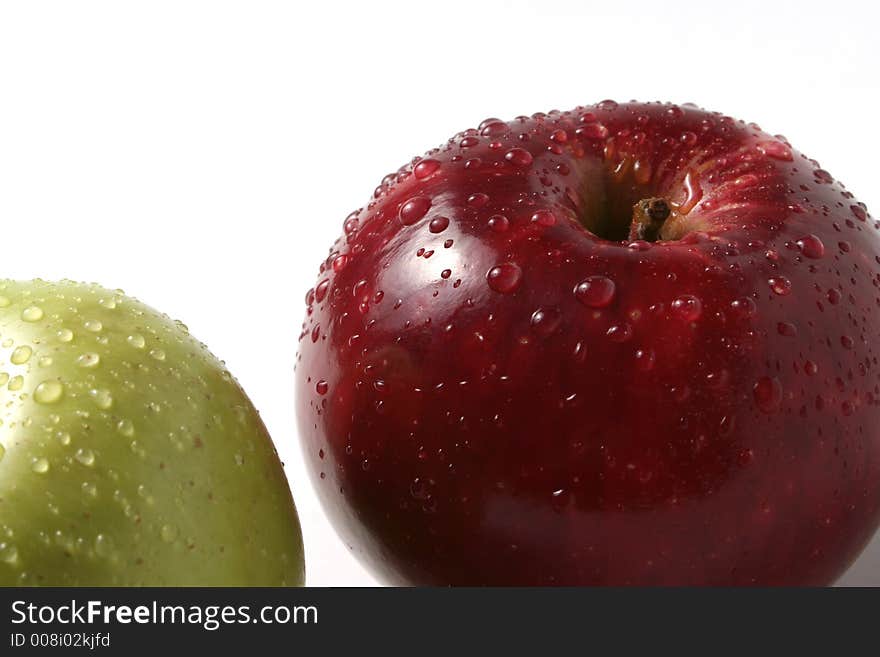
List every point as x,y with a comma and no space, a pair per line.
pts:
129,455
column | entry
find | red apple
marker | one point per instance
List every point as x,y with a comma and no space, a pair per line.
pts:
625,344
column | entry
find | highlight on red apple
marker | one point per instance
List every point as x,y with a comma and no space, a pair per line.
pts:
627,344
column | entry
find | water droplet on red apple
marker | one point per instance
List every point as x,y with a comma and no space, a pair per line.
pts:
607,105
859,212
595,291
744,307
811,246
620,332
321,290
438,224
498,223
477,200
505,278
544,218
780,285
645,359
493,128
425,169
687,307
768,394
787,329
518,156
591,131
823,176
321,387
559,136
777,150
810,368
414,209
545,321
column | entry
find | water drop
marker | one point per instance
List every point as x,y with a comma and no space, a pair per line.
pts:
780,285
32,314
687,307
544,218
787,329
493,128
85,456
321,387
505,278
21,355
8,553
16,383
321,290
823,176
620,332
438,224
102,398
93,325
591,131
744,307
645,359
595,291
777,150
768,394
136,340
425,169
545,321
414,209
125,427
49,392
157,354
40,466
811,246
498,223
88,360
518,156
477,200
64,335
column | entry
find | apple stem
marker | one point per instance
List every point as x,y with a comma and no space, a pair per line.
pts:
649,215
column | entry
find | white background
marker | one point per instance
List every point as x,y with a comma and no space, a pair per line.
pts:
202,155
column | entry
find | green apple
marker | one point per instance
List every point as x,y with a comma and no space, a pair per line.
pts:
128,453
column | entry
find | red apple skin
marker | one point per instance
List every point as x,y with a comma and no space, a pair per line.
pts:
490,394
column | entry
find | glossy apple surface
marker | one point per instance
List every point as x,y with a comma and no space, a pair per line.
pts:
625,344
128,453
